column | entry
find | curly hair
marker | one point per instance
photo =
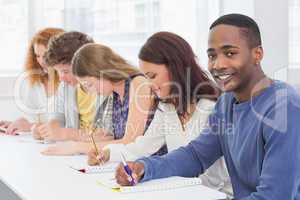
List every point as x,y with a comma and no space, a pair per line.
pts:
31,64
62,47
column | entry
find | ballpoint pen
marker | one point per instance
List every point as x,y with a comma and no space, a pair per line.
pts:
3,130
127,169
39,118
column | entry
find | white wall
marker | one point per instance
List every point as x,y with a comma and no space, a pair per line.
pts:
8,108
272,18
182,23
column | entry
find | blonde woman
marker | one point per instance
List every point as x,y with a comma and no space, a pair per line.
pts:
102,71
39,86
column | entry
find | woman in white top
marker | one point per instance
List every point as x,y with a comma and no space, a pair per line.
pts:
188,97
36,87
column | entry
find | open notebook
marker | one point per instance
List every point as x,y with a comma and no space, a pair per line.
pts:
106,168
154,185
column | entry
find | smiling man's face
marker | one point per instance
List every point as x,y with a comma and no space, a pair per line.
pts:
231,61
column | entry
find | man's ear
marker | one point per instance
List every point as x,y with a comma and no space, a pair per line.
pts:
258,54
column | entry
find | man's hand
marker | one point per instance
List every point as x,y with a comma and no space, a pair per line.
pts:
35,131
137,169
52,131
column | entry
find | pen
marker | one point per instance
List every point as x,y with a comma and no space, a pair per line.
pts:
82,170
93,140
39,118
127,169
3,130
95,169
94,143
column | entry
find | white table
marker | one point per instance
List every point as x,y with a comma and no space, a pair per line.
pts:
26,174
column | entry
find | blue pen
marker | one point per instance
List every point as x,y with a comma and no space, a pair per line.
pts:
127,169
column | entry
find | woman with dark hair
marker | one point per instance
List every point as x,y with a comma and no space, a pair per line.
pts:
187,97
169,61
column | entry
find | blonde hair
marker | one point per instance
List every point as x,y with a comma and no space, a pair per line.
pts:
32,67
98,60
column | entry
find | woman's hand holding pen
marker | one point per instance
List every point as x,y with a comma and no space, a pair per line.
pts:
35,131
98,159
124,179
13,128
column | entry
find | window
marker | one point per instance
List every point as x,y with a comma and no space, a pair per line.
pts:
140,16
78,15
14,34
124,25
294,39
52,14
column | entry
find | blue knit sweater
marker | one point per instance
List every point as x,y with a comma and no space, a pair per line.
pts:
260,140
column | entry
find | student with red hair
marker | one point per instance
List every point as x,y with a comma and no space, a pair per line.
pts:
38,87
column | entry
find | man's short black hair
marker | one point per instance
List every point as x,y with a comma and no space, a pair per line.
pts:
248,26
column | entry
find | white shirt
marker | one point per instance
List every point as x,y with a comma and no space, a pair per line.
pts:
32,100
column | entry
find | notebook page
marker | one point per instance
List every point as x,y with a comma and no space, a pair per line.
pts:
154,185
109,167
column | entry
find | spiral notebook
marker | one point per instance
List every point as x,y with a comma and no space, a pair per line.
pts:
106,168
154,185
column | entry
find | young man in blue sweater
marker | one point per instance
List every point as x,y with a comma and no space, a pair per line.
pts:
255,125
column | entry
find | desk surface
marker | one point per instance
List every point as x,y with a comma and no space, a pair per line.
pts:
33,176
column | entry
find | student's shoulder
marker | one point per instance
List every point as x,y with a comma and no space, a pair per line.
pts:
139,79
64,86
27,82
206,104
225,98
140,84
26,87
165,107
65,90
282,109
223,104
284,92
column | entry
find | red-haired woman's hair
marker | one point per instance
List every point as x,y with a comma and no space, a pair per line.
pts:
173,51
32,67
